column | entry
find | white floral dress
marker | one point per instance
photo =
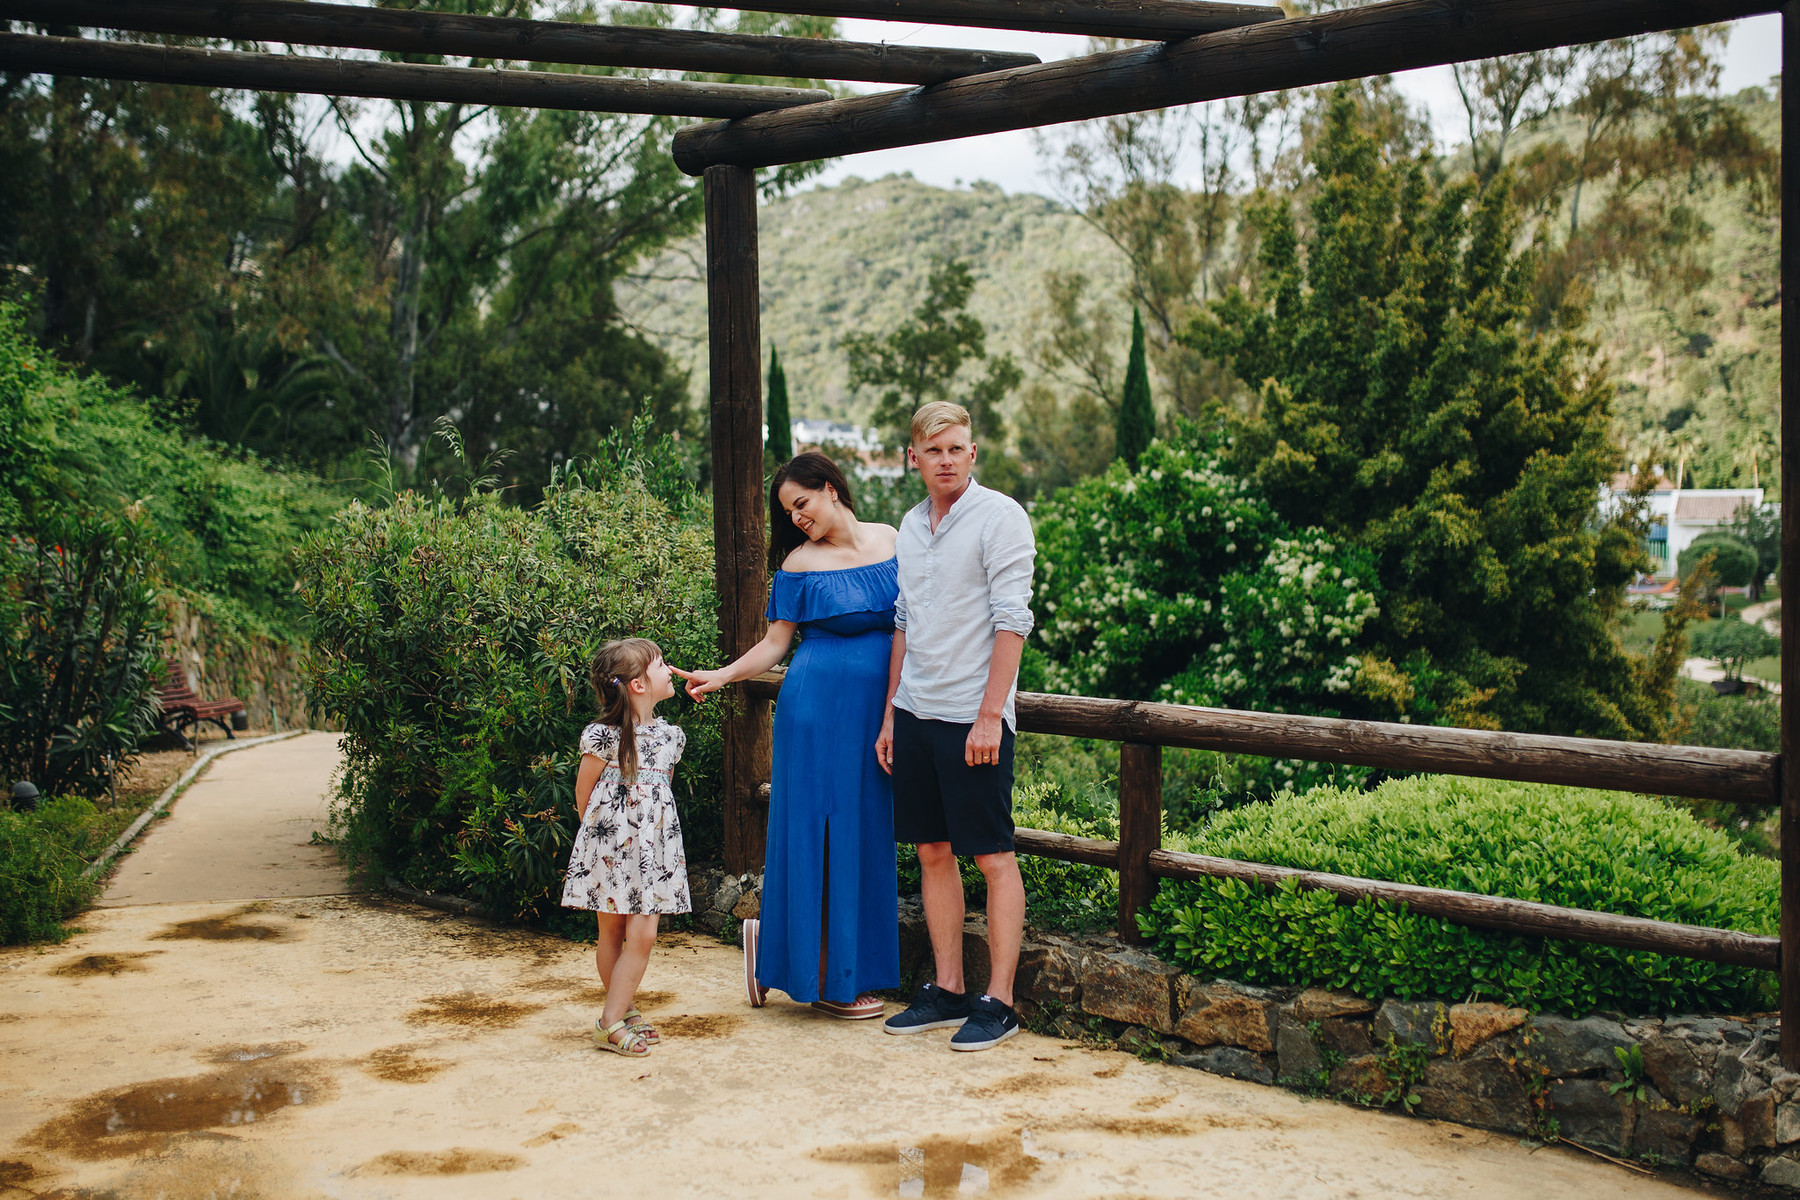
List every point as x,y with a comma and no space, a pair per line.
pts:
628,856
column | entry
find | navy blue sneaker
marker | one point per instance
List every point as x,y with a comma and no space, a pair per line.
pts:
931,1008
990,1023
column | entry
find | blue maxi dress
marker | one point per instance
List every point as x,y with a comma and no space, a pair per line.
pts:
831,806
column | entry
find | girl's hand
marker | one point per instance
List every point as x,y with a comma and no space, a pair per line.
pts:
701,682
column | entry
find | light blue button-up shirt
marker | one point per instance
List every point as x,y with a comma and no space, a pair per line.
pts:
958,587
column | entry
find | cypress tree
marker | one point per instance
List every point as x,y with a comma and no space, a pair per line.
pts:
781,426
1137,419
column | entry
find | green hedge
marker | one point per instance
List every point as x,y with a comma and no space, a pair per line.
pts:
451,639
42,856
1584,849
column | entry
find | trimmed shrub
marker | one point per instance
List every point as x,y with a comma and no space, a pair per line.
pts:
42,856
1604,851
1734,560
1730,642
451,639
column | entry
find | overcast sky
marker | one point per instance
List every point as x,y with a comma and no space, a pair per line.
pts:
1752,57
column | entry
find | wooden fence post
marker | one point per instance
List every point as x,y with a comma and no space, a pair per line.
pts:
1788,771
1140,832
733,296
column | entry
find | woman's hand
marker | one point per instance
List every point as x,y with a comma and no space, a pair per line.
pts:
702,682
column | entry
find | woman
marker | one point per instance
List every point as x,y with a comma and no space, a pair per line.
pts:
829,927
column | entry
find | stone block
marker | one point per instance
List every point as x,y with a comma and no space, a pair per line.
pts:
725,896
1346,1037
1757,1117
1317,1004
1050,972
1363,1076
749,905
1297,1052
1407,1024
1682,1070
1473,1024
1667,1133
1782,1171
1586,1112
1787,1122
1130,986
975,956
1224,1014
1230,1061
1723,1166
1571,1049
1476,1091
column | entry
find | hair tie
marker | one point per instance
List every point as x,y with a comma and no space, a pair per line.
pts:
617,682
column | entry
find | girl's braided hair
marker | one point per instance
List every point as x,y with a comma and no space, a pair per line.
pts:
615,665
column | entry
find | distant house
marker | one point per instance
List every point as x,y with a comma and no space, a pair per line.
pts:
1679,515
823,435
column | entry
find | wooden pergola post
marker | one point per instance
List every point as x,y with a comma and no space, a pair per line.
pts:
733,297
1789,573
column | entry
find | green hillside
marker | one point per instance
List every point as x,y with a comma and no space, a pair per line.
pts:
1696,363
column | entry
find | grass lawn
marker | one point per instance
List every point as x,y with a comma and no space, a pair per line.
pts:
1765,668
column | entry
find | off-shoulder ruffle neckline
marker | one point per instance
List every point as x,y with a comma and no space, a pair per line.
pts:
838,570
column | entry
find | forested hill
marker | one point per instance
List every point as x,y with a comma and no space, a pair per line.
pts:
1693,353
855,258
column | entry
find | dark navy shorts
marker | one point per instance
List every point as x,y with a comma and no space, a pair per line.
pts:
938,797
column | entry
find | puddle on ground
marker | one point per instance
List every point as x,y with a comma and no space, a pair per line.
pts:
1029,1083
471,1011
990,1164
104,964
227,1055
229,928
141,1117
402,1064
700,1025
588,991
553,1134
439,1162
15,1173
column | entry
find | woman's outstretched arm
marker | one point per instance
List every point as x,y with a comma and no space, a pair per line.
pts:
754,661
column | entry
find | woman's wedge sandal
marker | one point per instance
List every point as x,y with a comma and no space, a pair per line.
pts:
630,1042
635,1019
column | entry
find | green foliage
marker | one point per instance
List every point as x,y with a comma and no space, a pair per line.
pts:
1759,527
79,626
1407,407
1137,419
1734,560
451,640
781,423
1597,850
42,856
922,360
1731,642
1740,722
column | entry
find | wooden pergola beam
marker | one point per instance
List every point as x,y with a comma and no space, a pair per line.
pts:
389,81
409,31
1378,39
1142,20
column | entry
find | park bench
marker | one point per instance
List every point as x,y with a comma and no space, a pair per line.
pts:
182,709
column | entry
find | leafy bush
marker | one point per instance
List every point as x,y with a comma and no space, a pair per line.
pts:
1734,560
1729,722
1597,850
42,856
1731,642
80,633
452,640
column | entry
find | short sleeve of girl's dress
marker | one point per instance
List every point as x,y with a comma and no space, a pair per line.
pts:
602,741
680,741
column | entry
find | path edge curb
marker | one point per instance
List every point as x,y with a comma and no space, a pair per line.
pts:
99,865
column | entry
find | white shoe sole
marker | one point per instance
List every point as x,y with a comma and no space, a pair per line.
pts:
751,935
903,1031
966,1046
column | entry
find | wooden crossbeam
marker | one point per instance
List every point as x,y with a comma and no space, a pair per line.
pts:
1349,43
1143,20
391,81
511,39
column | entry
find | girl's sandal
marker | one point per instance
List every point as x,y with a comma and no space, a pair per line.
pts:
635,1019
630,1042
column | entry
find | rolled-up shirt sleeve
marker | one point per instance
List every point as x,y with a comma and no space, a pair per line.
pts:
1008,552
900,612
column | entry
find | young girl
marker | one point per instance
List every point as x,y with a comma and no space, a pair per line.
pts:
627,864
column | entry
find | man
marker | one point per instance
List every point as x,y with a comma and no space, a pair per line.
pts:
947,739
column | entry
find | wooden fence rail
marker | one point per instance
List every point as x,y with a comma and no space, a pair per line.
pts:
1140,859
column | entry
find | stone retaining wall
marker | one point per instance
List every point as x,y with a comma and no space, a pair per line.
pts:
262,672
1705,1092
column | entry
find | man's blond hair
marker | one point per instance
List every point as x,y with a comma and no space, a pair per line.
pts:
939,415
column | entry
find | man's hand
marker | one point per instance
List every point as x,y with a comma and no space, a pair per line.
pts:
884,744
983,746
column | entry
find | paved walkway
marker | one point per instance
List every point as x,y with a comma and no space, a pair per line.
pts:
191,1043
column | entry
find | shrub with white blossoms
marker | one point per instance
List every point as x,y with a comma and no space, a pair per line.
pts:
1178,583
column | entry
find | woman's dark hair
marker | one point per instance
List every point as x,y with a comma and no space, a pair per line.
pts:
813,472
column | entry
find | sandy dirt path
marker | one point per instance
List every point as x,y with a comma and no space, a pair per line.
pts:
350,1046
